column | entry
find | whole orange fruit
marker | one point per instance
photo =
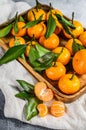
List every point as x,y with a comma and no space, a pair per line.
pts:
56,71
77,31
21,30
37,30
79,62
69,44
64,55
35,14
82,38
69,84
16,41
50,43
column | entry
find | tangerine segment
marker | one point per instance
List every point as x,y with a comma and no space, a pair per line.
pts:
35,14
21,30
77,31
37,30
82,38
15,41
50,43
69,43
54,11
42,92
64,56
79,62
69,84
43,110
56,71
57,108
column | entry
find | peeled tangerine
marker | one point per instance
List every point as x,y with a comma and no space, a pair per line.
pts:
57,108
43,110
42,92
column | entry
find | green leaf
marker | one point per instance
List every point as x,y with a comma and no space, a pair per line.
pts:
64,21
24,95
33,56
44,66
15,25
26,86
51,25
5,30
46,57
46,61
76,47
32,23
31,108
21,19
13,53
41,50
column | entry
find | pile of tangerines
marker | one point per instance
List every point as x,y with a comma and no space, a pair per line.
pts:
68,83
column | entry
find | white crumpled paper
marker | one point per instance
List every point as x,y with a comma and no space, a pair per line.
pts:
74,118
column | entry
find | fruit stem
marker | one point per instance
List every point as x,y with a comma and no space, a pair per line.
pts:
72,76
72,17
34,15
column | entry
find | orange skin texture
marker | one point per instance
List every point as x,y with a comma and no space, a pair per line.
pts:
64,56
21,30
67,85
77,31
82,38
37,30
12,41
30,15
43,110
55,72
54,11
43,92
69,43
57,108
50,43
79,62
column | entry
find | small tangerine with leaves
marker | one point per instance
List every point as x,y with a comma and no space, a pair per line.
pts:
16,41
69,44
43,92
56,71
57,108
64,55
37,30
79,62
43,110
82,38
76,32
34,14
51,42
53,12
21,30
69,84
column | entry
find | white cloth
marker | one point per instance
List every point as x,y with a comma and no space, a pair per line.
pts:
74,118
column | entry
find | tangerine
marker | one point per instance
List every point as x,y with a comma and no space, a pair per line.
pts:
57,108
56,71
79,62
43,92
69,84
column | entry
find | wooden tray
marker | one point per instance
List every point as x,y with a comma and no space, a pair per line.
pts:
58,94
